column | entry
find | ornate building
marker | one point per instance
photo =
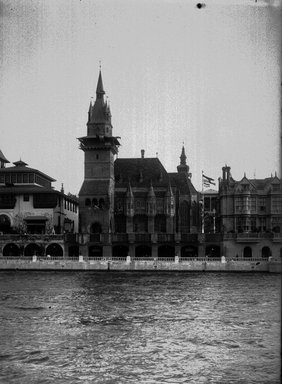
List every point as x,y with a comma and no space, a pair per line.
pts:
132,206
251,215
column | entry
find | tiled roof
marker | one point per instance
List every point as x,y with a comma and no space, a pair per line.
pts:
24,169
140,172
92,187
183,183
3,158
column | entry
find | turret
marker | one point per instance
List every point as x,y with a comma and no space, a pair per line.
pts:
129,201
169,202
151,201
183,167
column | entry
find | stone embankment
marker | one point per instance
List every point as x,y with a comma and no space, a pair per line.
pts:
142,264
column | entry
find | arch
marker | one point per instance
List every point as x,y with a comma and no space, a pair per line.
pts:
11,250
140,223
94,202
120,250
73,250
120,223
160,223
5,224
143,251
96,228
213,250
247,252
33,249
265,252
95,251
54,249
189,251
184,212
166,251
101,203
87,202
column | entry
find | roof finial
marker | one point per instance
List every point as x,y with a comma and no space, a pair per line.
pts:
100,65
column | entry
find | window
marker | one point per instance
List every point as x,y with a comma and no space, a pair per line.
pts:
26,197
97,157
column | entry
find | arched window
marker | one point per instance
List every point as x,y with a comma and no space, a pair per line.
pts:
120,250
213,251
87,202
94,202
101,203
33,249
166,251
95,251
54,250
143,251
247,252
11,250
189,251
265,252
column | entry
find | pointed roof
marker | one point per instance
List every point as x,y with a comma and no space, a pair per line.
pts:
100,87
151,192
129,192
183,167
3,158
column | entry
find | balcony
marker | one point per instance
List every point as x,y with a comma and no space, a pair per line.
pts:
213,237
31,238
142,237
165,238
189,237
120,237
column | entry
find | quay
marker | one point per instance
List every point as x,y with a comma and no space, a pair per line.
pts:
35,263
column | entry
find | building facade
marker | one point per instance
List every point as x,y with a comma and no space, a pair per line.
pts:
250,216
33,216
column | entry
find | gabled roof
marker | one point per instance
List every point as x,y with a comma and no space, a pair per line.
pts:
183,182
140,172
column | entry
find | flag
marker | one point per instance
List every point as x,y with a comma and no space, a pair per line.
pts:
207,181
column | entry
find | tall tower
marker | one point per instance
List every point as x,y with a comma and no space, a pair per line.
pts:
96,196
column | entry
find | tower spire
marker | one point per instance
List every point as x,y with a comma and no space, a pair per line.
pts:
183,167
100,88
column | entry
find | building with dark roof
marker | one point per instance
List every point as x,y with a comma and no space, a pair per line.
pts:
133,206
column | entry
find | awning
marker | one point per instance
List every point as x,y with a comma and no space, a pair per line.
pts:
35,218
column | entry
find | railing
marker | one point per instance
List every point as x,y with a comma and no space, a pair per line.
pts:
31,237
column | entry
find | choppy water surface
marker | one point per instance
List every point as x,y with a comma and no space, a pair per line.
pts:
139,328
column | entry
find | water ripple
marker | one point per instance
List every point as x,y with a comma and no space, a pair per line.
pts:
139,328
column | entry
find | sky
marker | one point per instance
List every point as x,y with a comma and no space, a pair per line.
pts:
173,73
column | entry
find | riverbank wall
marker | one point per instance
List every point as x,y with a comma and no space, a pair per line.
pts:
130,264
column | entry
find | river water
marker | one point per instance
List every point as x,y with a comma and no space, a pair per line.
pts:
139,327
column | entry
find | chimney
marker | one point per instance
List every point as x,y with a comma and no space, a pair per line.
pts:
142,153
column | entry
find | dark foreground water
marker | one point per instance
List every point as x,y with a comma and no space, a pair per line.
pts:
139,328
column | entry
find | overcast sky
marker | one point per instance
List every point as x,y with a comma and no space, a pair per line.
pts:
173,73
